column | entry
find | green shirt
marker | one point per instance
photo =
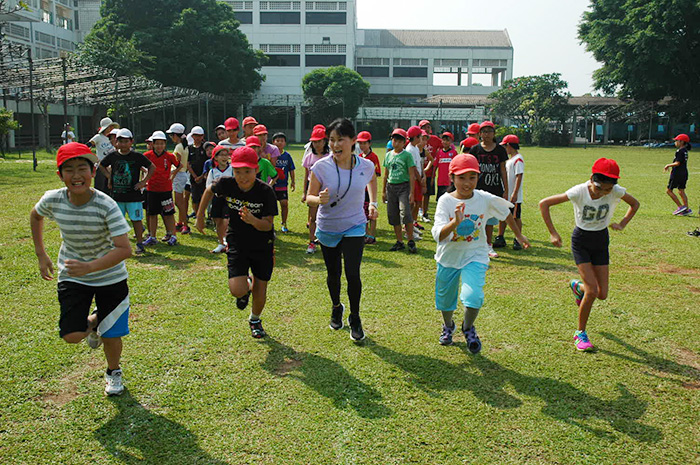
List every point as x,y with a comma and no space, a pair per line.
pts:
399,166
265,170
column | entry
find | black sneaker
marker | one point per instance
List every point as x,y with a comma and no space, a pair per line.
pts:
695,233
242,302
499,242
256,329
412,247
397,246
356,332
337,317
473,341
516,245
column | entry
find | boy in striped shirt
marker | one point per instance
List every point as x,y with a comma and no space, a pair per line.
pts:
90,261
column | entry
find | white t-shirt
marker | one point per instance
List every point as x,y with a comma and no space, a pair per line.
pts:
515,166
468,243
590,214
215,173
68,138
415,153
102,145
228,143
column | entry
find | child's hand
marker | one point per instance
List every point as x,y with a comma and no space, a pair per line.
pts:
384,197
523,241
139,186
555,239
246,216
199,225
373,212
294,187
667,167
324,196
411,198
459,213
78,268
513,198
303,198
46,268
617,227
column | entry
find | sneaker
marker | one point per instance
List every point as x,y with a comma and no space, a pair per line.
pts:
150,240
370,240
418,226
186,230
166,238
192,215
93,340
473,341
499,242
577,288
179,226
356,332
242,302
140,249
425,218
219,248
492,253
417,236
311,248
172,240
412,247
686,212
337,317
114,383
256,329
397,246
695,233
581,342
446,336
285,229
680,209
517,245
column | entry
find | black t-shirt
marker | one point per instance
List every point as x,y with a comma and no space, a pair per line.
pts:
682,158
197,158
490,167
260,200
126,173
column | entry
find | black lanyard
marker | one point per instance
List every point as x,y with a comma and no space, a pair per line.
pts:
337,170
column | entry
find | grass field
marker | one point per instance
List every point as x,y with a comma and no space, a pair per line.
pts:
201,390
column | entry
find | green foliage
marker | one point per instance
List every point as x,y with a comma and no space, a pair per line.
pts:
335,91
533,102
522,133
7,121
650,49
196,44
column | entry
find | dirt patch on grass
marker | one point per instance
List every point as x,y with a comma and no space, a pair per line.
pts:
288,365
672,269
68,383
689,358
694,290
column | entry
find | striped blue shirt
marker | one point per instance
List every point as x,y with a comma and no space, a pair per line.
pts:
87,231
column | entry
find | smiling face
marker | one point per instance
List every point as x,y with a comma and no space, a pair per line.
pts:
221,134
245,177
280,143
124,145
365,146
465,184
318,146
341,145
599,189
222,159
446,143
77,174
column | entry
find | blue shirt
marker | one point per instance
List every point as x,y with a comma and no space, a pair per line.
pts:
286,164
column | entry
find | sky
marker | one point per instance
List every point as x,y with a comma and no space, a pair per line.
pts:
543,32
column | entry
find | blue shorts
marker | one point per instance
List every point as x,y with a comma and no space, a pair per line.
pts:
447,290
134,209
492,222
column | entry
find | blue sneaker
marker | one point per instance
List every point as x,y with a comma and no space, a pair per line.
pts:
150,240
446,336
473,341
285,229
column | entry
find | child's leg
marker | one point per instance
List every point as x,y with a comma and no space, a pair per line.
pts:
181,205
187,201
239,286
284,207
501,228
405,208
259,295
447,318
75,301
591,292
446,292
489,234
373,228
312,223
397,233
332,259
169,221
671,194
221,228
138,229
152,225
684,198
113,351
472,294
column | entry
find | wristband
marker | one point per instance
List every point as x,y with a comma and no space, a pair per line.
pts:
374,204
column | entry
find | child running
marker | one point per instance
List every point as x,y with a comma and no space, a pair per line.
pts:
318,149
594,204
364,141
91,260
679,175
515,168
252,205
219,211
159,191
399,178
285,168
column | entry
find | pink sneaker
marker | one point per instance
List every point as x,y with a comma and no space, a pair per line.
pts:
581,342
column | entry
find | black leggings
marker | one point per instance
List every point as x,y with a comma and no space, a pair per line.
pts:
349,248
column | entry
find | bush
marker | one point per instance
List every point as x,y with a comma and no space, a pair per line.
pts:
522,133
554,139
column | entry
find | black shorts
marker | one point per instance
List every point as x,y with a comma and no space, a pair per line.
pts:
260,262
160,203
678,181
516,211
197,191
430,185
442,190
112,301
282,195
590,246
219,209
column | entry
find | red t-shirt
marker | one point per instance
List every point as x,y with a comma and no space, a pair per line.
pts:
434,144
442,161
374,159
160,181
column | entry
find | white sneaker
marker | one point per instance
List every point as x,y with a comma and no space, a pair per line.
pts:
219,248
93,340
311,248
115,384
492,253
417,235
425,219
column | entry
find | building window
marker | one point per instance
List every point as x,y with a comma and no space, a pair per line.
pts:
325,6
326,48
325,18
373,71
373,61
44,38
410,72
325,60
280,48
283,60
280,18
244,17
241,5
280,5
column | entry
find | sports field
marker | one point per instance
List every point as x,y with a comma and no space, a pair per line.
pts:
200,390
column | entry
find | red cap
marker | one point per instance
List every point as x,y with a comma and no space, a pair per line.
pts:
474,128
232,124
423,123
607,167
510,139
469,142
259,129
413,131
74,150
319,133
399,132
244,157
448,134
683,137
464,163
364,136
252,141
485,124
249,120
218,149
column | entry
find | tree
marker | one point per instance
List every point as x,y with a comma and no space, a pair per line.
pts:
650,49
196,44
335,91
533,102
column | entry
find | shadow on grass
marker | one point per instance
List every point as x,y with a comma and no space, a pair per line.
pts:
137,435
563,401
326,377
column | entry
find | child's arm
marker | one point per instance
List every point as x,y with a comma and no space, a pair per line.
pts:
315,196
554,237
372,191
202,211
261,224
386,176
293,184
631,211
144,181
120,252
177,169
413,175
516,188
306,184
430,159
516,230
672,165
504,179
450,227
36,222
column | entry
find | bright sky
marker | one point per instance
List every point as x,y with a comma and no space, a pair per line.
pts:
543,32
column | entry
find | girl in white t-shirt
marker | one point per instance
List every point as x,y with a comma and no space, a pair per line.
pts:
594,204
219,210
515,169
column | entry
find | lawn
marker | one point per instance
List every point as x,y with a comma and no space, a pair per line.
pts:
201,390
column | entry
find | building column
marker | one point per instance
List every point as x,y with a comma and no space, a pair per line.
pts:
297,122
606,129
469,70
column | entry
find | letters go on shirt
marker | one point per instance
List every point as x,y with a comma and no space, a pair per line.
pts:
594,214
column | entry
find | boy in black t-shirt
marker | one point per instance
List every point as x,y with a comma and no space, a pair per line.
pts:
253,205
679,175
198,178
123,181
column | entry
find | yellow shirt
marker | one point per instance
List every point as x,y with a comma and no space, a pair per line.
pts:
182,155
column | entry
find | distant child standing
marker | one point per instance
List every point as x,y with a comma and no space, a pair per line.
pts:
462,251
419,187
679,174
91,259
443,158
285,168
594,205
219,210
102,144
198,178
159,191
266,171
318,149
182,153
399,179
364,141
515,167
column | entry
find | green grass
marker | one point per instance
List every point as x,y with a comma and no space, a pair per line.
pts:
201,390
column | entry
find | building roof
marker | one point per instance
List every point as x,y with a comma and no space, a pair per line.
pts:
386,38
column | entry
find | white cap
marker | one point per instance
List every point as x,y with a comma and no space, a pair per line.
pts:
176,128
150,139
158,135
221,126
197,131
107,122
125,134
114,132
190,139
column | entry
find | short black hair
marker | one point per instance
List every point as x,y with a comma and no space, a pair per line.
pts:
601,178
515,145
279,135
343,127
90,163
